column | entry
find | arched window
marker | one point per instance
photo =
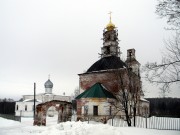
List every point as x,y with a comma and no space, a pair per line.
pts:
86,110
17,107
25,107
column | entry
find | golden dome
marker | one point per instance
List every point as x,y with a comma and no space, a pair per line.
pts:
110,25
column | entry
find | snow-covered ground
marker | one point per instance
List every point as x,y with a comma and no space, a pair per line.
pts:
9,127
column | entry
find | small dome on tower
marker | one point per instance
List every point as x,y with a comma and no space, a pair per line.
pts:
48,84
110,26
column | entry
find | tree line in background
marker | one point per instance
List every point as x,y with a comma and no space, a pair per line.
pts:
7,106
164,107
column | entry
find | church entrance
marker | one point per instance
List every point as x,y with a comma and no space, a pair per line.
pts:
95,110
53,112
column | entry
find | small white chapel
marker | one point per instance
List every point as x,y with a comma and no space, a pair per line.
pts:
25,107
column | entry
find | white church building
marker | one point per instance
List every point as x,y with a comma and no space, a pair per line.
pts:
25,107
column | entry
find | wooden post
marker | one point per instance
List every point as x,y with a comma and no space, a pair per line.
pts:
146,120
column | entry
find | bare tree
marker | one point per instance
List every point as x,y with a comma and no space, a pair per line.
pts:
76,92
170,9
167,72
123,97
135,91
128,93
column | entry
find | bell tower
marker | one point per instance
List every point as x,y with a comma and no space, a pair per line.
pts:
131,61
110,41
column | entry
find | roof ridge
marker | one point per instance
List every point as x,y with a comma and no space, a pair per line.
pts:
96,91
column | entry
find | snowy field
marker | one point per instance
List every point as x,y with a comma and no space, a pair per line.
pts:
9,127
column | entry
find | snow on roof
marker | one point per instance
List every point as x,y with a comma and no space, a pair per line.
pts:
31,100
143,99
48,94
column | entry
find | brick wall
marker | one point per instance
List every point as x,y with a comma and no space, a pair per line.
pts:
108,78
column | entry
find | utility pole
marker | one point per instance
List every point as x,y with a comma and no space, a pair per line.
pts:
34,99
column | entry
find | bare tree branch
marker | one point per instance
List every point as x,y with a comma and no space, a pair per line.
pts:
170,9
168,71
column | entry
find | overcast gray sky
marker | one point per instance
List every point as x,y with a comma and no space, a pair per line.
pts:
63,38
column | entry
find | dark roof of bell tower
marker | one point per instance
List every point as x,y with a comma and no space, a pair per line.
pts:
105,63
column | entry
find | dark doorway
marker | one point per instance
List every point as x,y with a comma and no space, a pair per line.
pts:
95,110
108,50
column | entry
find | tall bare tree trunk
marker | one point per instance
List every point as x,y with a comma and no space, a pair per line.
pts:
134,110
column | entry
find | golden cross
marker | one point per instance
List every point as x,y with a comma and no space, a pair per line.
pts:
110,15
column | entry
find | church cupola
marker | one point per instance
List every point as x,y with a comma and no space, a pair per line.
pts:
48,86
110,25
110,41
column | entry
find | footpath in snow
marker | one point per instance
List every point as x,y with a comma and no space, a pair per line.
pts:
9,127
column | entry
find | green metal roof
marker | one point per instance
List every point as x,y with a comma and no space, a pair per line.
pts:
96,91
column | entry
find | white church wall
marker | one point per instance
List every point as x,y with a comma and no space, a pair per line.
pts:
24,109
62,98
103,106
48,90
